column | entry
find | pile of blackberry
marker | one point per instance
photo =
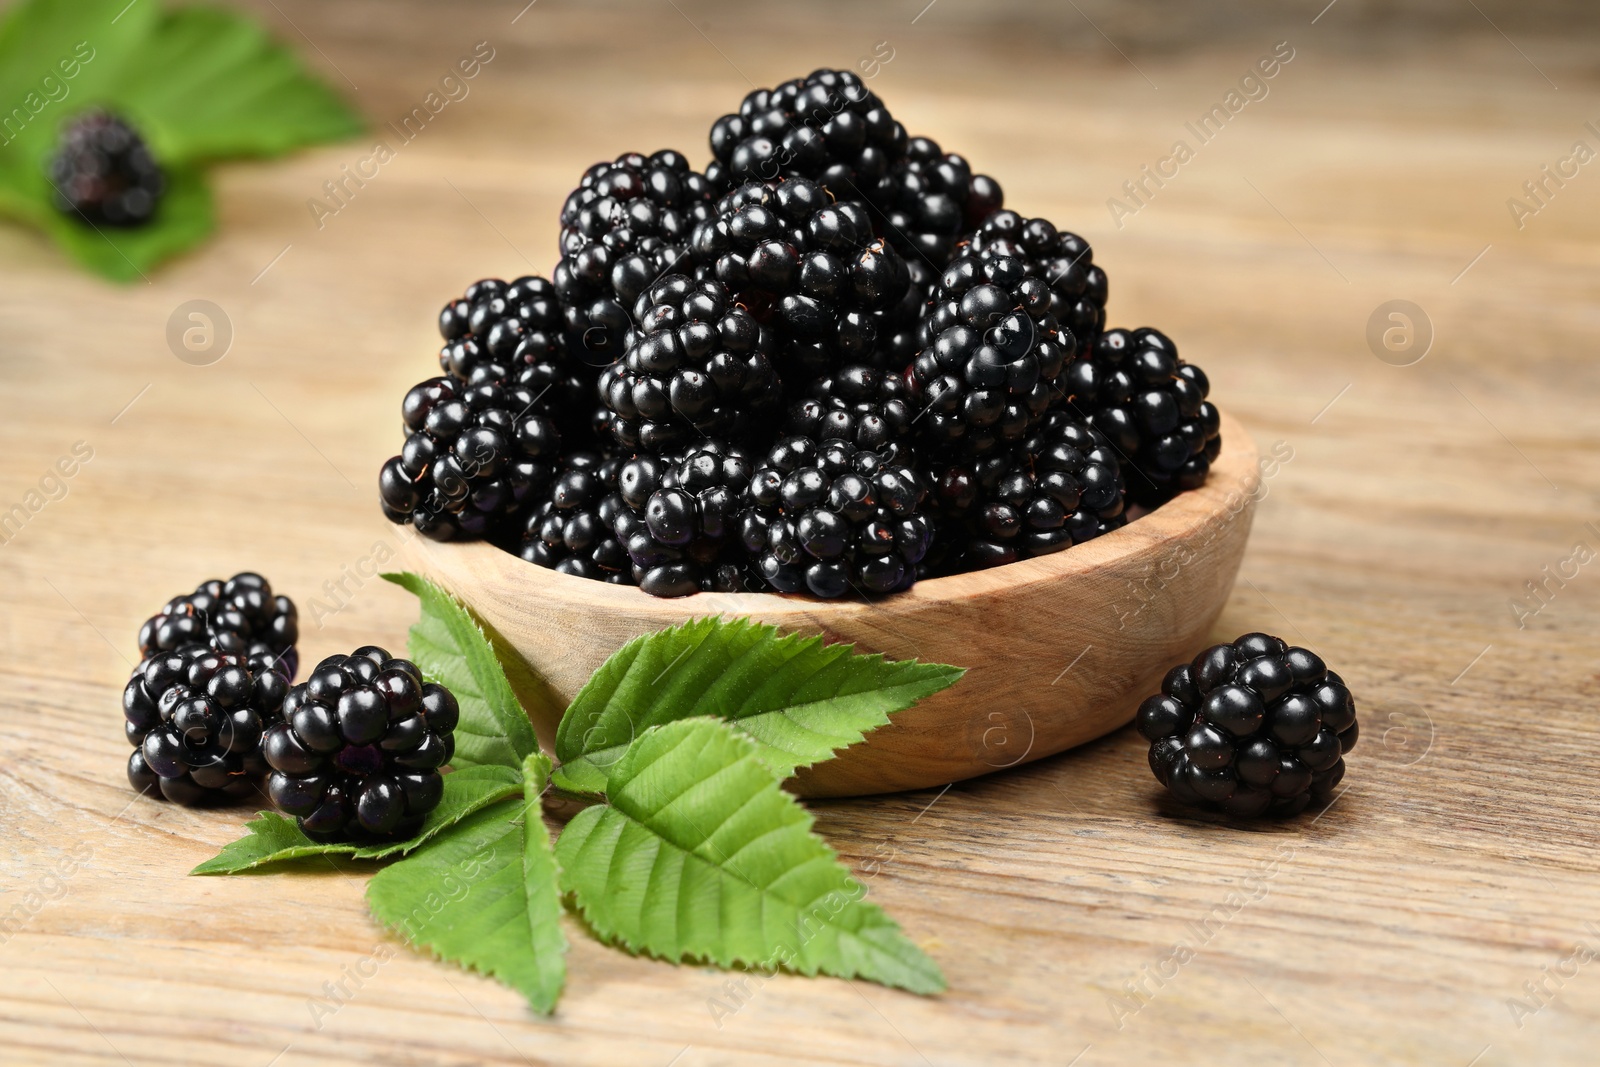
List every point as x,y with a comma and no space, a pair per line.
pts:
103,172
829,364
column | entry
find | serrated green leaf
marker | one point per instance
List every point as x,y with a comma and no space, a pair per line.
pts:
211,84
699,855
466,896
275,839
452,650
799,699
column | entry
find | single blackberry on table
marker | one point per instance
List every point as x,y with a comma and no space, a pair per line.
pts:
195,718
573,530
931,199
832,519
1062,487
1152,407
1062,259
809,266
240,616
827,126
473,455
500,333
681,518
358,752
626,225
988,372
871,409
1250,727
103,172
697,367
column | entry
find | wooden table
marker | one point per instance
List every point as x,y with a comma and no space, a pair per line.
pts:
1453,879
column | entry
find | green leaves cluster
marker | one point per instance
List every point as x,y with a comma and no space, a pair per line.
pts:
690,851
199,83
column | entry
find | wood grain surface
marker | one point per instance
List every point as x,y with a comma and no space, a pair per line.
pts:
1444,910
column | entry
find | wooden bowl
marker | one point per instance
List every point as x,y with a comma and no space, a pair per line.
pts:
1059,650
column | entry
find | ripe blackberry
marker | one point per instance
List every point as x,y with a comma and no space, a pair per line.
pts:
827,126
833,519
1152,407
697,367
680,518
626,225
102,171
869,408
988,372
473,455
501,333
1250,727
195,718
360,746
572,531
1062,259
240,616
931,198
1060,488
810,266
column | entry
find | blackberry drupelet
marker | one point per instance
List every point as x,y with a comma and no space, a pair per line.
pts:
698,366
810,267
239,616
869,408
1250,727
931,199
195,718
1152,407
625,226
1062,259
832,519
358,752
1062,487
827,126
681,519
993,354
473,455
103,172
573,530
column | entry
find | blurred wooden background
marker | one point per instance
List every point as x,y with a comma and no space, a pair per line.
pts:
1452,882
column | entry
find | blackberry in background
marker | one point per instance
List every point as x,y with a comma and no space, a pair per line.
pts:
698,366
240,616
103,172
827,126
625,226
1062,487
1152,407
869,408
681,520
832,520
810,267
573,529
473,455
931,199
1062,259
993,354
358,752
1250,727
195,718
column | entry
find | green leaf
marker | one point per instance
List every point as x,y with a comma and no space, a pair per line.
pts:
799,699
474,897
274,838
451,649
541,881
210,84
699,855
